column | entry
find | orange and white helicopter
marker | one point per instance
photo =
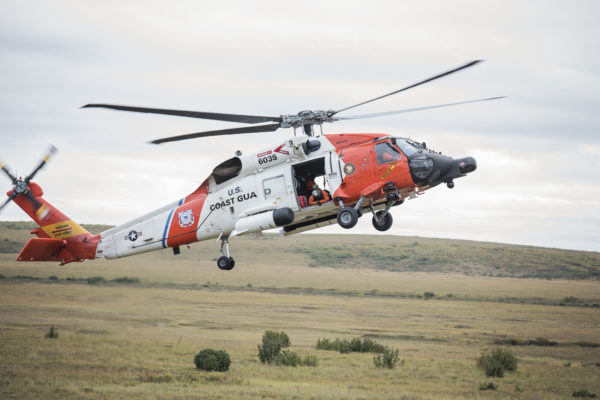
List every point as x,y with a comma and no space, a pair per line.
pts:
274,187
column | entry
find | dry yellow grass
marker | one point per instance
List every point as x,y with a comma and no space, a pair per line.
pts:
128,341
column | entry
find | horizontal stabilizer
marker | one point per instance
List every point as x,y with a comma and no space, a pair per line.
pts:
42,249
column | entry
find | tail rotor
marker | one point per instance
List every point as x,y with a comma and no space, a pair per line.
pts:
21,185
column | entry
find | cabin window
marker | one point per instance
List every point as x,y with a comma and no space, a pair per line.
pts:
274,187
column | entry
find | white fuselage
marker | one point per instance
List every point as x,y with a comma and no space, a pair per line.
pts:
240,205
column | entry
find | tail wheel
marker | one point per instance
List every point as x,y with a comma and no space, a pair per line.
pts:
347,217
382,221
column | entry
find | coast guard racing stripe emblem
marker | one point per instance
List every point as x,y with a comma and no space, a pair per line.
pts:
186,218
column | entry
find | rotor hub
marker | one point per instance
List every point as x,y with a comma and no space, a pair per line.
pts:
20,186
306,117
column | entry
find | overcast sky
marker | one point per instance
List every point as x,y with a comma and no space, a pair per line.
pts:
538,150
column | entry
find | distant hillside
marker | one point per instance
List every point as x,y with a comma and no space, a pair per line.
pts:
383,252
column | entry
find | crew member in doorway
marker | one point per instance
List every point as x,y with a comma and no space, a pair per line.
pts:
318,196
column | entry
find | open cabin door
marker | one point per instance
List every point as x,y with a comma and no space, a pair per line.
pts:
333,171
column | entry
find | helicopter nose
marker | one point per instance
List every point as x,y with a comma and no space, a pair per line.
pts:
466,165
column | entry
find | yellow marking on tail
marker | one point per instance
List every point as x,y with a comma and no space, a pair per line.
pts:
65,229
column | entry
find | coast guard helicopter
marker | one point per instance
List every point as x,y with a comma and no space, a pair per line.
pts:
274,187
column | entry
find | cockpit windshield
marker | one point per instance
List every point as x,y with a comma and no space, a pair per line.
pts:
406,147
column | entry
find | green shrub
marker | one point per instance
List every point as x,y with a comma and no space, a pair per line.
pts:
53,277
270,351
292,359
496,362
310,361
126,280
388,359
52,333
541,342
428,295
95,280
280,337
488,386
512,341
288,358
354,345
583,393
272,343
212,360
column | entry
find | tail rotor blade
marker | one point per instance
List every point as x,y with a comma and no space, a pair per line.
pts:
33,200
7,172
46,158
8,200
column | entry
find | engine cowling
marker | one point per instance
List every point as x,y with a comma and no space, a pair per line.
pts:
249,164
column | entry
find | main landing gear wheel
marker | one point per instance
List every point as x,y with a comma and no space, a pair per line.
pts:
347,217
226,263
382,221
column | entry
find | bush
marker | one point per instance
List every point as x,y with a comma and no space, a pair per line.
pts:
428,295
496,362
388,359
488,386
126,280
541,342
272,343
52,333
280,337
288,358
270,351
212,360
584,393
95,280
512,341
354,345
292,359
310,361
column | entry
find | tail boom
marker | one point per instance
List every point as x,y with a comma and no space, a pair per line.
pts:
58,237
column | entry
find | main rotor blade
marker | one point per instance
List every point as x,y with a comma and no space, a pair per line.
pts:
12,196
46,158
7,172
232,131
407,110
412,86
248,119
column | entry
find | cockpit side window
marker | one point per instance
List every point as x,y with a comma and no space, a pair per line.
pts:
387,153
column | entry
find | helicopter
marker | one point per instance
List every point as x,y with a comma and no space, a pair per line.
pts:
250,193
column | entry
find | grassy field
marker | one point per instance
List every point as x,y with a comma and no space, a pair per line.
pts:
136,338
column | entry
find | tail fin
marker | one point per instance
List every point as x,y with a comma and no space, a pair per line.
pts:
59,237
